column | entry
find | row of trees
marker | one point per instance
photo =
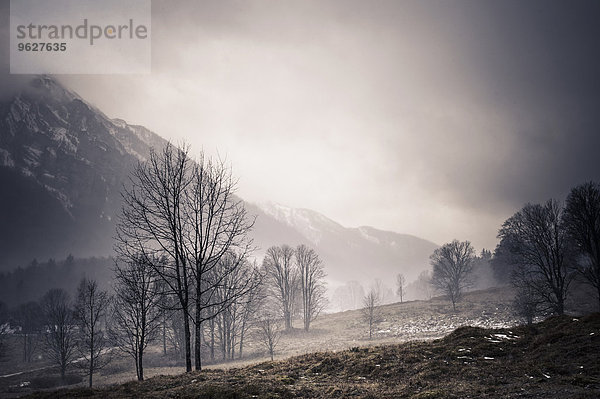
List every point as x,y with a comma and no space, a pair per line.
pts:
71,332
295,281
548,245
183,250
545,246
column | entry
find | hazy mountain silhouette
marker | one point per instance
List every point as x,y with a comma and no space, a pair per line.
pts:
63,164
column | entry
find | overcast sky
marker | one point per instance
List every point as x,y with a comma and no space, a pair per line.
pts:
433,118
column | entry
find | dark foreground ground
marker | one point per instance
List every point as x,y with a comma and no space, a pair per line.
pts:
557,358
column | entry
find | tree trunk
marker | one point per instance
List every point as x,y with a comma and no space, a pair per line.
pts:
140,366
188,338
164,336
212,339
91,357
242,340
198,333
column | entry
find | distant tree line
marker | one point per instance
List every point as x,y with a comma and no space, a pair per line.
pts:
24,284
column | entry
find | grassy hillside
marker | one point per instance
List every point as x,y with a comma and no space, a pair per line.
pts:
557,358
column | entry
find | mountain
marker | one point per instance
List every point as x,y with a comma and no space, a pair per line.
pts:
63,164
362,254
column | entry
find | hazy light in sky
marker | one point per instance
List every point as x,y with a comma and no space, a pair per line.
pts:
438,119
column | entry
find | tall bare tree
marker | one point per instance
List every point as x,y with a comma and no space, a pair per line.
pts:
312,286
400,285
582,220
539,244
282,278
91,306
153,222
136,312
216,241
452,269
371,311
60,336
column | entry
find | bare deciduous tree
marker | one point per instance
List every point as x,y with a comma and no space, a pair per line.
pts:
582,220
187,211
269,333
400,285
152,224
452,268
28,317
538,241
60,336
90,311
312,287
526,302
237,290
370,310
216,241
136,310
282,278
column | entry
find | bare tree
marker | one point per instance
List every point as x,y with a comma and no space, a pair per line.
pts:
452,268
282,278
312,287
188,212
153,222
349,296
232,320
90,311
60,336
582,220
27,316
269,334
216,240
370,310
400,285
539,244
136,310
526,302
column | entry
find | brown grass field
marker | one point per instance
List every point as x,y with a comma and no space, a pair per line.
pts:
407,358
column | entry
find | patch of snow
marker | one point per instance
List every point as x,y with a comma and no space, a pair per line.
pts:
488,358
6,159
365,234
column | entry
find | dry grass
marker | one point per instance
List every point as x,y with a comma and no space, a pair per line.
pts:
343,333
557,358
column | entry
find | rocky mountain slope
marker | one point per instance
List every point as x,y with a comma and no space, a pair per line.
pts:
62,165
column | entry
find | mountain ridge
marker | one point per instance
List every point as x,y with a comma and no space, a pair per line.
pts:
63,163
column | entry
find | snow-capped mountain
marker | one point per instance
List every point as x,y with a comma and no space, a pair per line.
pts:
63,164
361,254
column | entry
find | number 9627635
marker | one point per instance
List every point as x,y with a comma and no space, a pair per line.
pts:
41,46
